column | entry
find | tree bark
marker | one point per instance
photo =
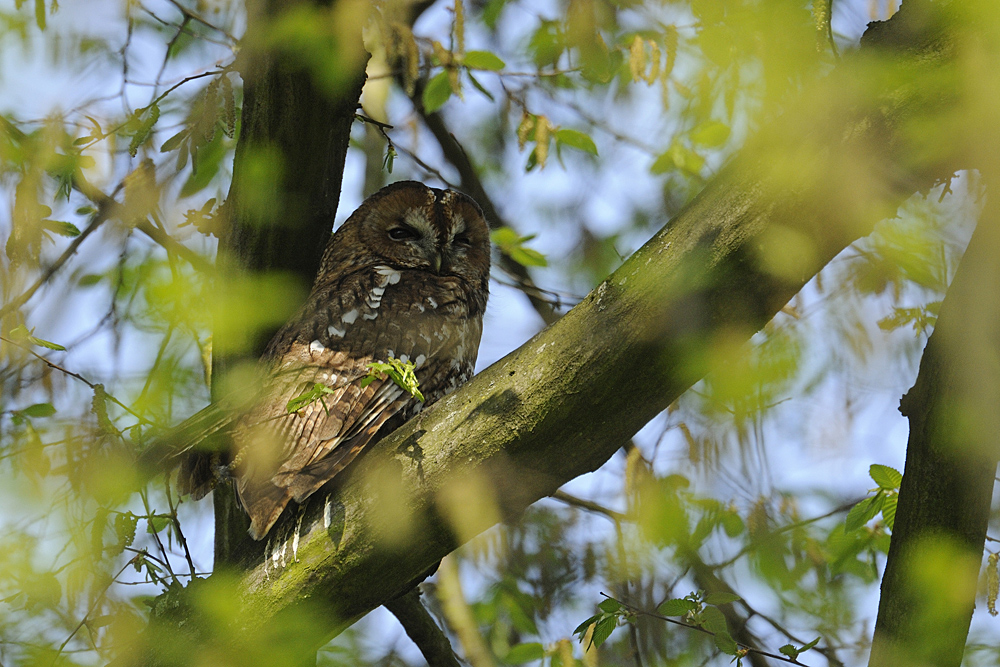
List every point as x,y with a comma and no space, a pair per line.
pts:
930,581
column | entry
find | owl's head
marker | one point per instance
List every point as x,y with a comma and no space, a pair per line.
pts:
408,225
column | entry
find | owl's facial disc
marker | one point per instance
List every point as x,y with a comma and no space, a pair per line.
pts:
417,240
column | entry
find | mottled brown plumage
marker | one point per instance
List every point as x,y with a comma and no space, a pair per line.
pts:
406,276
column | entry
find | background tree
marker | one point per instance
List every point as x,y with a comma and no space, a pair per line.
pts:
606,120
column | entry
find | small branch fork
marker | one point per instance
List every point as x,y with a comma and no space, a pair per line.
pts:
749,649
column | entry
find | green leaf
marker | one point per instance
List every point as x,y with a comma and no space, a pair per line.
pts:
790,651
156,523
677,607
478,86
400,372
437,92
61,228
721,597
90,279
582,628
732,523
205,163
523,653
678,157
861,513
603,630
512,245
725,643
38,410
713,620
21,334
808,646
174,141
709,134
889,511
491,12
314,393
577,140
125,525
40,14
885,477
143,127
610,606
483,60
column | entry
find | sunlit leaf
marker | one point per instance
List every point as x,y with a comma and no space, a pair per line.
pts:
885,476
603,629
483,60
721,597
436,92
677,607
512,245
399,371
38,410
61,228
862,513
610,606
522,653
710,134
577,140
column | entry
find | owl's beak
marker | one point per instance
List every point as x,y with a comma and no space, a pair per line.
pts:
436,262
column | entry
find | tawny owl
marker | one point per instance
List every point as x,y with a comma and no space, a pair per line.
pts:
405,277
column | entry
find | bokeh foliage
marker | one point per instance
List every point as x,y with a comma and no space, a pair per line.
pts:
604,118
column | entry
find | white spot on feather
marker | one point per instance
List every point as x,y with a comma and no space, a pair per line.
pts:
431,302
391,275
326,514
334,331
404,358
369,316
295,538
349,316
316,346
419,361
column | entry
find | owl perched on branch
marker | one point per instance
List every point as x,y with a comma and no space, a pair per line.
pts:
403,281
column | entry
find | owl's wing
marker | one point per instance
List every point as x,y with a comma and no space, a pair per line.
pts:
286,456
314,443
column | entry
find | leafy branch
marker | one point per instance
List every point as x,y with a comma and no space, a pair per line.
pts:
699,612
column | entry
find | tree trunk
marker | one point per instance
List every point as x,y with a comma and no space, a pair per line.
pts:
287,173
931,575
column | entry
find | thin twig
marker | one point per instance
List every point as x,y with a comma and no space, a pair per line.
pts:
784,529
96,221
188,14
589,505
750,649
93,606
77,376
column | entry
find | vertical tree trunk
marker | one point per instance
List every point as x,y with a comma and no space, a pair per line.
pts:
299,101
929,586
